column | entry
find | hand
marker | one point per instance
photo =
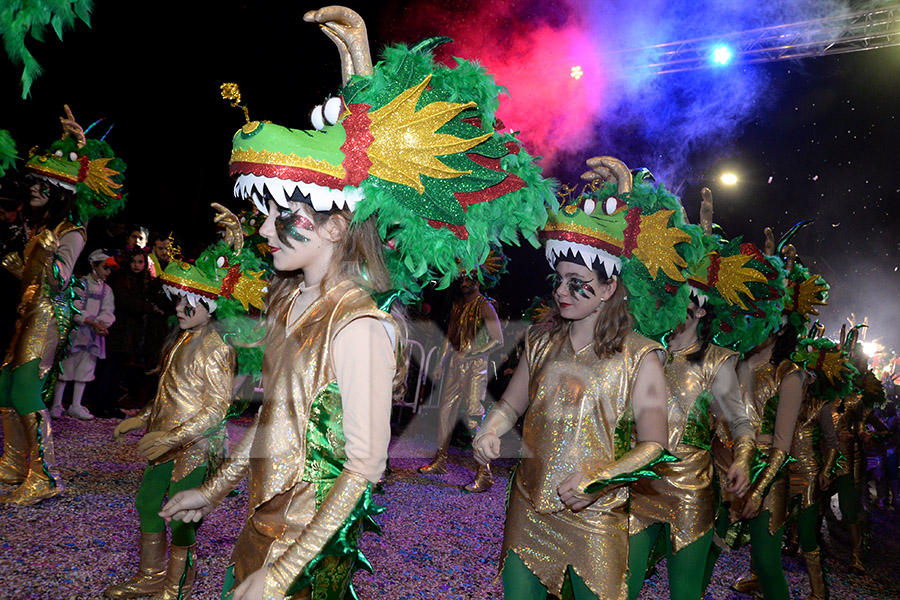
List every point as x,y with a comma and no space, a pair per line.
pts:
571,494
438,372
824,481
738,480
253,587
844,436
150,447
188,506
126,425
752,506
487,448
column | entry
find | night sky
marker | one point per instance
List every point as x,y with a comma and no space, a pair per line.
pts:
811,139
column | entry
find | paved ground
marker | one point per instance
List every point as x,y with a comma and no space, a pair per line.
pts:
438,542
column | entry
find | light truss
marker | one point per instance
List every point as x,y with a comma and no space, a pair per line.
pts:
840,34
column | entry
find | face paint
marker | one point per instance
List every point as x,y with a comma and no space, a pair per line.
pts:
577,287
288,225
189,310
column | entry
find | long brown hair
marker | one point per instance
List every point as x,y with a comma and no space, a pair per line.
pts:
612,326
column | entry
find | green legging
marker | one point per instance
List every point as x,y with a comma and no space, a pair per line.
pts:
808,527
21,388
765,552
685,567
848,498
157,480
520,583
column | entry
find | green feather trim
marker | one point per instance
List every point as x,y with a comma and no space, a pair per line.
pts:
8,154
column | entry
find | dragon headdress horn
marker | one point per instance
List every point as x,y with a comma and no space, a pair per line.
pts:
348,32
234,234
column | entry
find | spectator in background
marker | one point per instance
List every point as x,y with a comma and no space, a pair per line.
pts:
159,257
137,238
96,307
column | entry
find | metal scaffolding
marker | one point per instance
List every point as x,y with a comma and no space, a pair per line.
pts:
840,34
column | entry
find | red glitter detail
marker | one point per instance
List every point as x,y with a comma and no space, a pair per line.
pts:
725,327
498,124
820,360
715,262
513,147
355,148
83,169
633,218
476,121
285,172
671,288
231,279
458,230
510,183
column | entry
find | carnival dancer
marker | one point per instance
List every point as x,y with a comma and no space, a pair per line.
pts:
96,312
76,179
474,331
184,440
320,441
831,376
589,387
773,388
729,286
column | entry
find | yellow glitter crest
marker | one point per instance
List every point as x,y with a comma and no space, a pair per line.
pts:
656,245
406,145
734,277
99,177
807,297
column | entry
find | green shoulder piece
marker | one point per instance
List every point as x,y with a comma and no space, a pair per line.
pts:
696,430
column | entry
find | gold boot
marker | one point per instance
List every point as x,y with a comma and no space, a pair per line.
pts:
857,565
179,575
747,583
483,481
151,572
438,466
14,464
43,480
818,589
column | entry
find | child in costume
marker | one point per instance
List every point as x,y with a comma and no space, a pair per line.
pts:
729,285
345,217
593,391
96,312
183,442
76,179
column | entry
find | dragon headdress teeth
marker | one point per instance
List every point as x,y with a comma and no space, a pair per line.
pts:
409,142
86,167
626,225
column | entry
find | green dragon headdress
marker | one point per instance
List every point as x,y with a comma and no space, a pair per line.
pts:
408,141
804,291
86,167
829,363
626,226
230,279
735,281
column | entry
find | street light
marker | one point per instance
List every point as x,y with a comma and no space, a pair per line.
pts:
729,178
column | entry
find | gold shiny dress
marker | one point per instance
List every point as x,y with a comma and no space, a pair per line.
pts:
685,496
299,449
579,419
847,415
760,391
815,423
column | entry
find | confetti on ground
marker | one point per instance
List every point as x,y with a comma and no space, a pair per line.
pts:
438,541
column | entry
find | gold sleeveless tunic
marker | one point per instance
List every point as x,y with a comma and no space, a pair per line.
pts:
296,370
579,419
847,415
684,497
762,407
804,473
37,333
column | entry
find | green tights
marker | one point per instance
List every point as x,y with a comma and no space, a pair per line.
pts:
157,481
765,552
807,527
685,567
520,583
848,499
21,388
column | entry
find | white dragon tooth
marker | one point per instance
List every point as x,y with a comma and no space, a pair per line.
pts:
212,305
192,299
276,190
168,293
321,202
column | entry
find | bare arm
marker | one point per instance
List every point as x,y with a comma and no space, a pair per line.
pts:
648,401
790,400
727,391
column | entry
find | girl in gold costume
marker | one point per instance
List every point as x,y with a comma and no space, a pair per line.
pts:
364,190
74,180
593,393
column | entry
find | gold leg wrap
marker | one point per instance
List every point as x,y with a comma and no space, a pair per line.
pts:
746,583
438,466
14,464
818,589
179,575
483,481
856,550
151,572
42,481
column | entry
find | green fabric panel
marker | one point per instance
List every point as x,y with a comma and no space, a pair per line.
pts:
22,388
228,584
768,417
325,456
697,430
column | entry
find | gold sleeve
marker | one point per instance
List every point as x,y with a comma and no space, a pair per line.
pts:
635,459
12,262
231,472
744,451
336,507
768,475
